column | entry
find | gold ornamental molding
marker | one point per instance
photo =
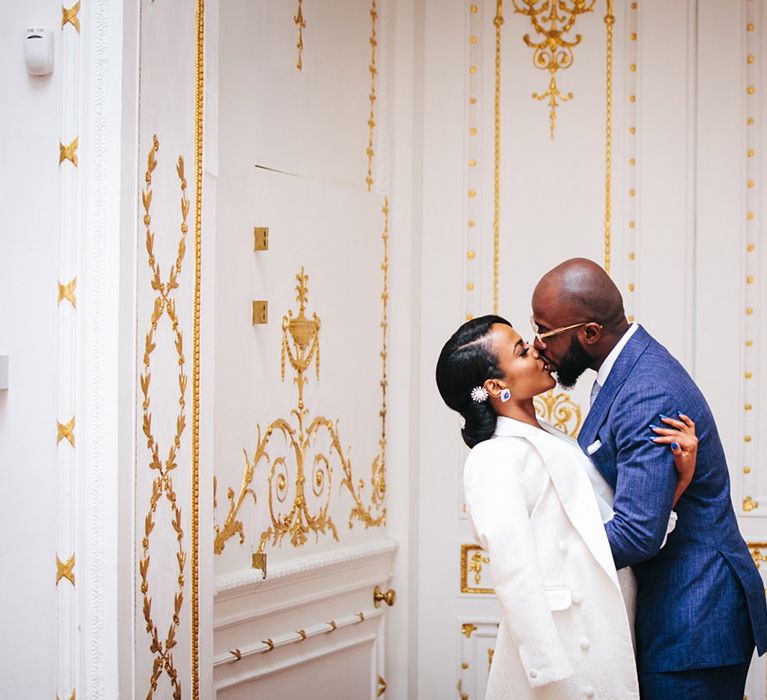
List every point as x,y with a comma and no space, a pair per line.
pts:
370,151
199,105
65,569
467,629
560,411
553,20
498,23
164,305
69,16
68,152
67,292
473,561
66,431
758,552
313,467
298,20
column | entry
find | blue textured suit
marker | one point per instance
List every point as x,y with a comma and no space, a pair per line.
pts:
700,600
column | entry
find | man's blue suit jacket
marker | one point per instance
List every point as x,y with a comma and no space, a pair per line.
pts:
700,601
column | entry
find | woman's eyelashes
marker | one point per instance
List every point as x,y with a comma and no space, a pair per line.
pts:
524,350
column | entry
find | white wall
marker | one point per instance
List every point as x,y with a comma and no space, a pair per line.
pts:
29,122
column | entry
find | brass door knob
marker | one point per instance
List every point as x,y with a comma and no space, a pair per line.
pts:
389,597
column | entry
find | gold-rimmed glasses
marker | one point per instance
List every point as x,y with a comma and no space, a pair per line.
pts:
540,337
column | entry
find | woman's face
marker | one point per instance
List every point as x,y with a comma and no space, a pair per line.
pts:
525,373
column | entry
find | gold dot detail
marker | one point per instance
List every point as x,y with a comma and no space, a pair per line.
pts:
632,256
749,343
749,375
632,224
632,130
633,6
633,68
472,163
472,223
746,470
633,36
472,193
750,89
473,131
749,279
471,255
473,39
750,215
749,311
750,248
632,98
750,121
750,152
470,286
747,406
750,27
472,69
631,287
746,438
750,184
632,161
632,193
630,319
469,317
750,58
474,9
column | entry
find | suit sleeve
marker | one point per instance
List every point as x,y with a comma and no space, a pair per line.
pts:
495,495
646,478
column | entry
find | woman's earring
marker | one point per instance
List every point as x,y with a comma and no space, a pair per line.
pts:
505,395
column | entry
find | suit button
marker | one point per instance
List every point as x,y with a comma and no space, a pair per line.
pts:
588,691
585,644
533,673
577,598
562,546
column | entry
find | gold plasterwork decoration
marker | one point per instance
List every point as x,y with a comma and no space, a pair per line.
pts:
69,16
199,109
560,411
65,569
164,305
490,655
66,431
300,349
497,23
473,561
68,152
758,552
298,20
369,151
67,292
552,20
609,22
467,629
749,504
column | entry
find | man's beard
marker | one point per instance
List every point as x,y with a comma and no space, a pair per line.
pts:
573,364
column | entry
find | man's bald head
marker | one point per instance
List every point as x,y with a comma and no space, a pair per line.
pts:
580,290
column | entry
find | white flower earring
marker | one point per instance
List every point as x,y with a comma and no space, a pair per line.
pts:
505,395
479,394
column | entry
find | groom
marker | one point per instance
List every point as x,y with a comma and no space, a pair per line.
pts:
700,601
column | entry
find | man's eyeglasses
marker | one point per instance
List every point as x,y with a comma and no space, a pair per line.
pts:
556,331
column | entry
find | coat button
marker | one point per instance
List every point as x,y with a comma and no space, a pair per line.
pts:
533,673
588,691
577,597
585,644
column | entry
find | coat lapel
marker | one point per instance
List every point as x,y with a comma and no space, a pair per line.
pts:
597,414
572,486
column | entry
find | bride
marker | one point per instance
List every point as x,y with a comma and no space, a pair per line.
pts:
538,505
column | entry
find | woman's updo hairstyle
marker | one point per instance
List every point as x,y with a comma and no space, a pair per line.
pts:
465,362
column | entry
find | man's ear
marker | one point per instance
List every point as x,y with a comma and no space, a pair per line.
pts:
592,333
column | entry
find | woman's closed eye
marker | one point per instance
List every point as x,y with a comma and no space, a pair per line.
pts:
525,349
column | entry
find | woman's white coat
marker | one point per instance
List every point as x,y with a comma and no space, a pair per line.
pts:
564,631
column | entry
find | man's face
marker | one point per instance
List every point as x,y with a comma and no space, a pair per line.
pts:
562,351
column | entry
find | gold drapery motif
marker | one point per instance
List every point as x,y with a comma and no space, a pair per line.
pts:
552,21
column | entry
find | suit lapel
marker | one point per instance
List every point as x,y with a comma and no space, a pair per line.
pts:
572,486
628,357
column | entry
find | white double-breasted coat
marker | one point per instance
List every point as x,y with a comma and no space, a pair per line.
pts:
564,632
